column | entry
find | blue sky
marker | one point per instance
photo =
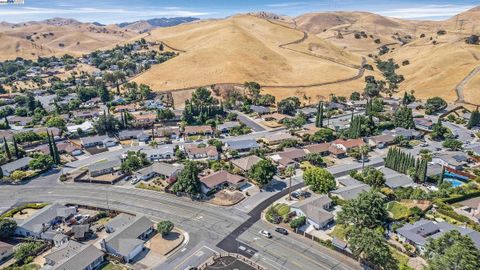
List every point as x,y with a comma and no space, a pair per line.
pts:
115,11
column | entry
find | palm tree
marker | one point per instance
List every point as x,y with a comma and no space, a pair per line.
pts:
289,172
153,144
363,150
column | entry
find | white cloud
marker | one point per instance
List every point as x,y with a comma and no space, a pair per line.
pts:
426,12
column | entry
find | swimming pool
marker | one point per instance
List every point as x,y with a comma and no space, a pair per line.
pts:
454,182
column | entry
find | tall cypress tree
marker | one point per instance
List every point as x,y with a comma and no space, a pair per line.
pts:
7,124
15,146
50,146
7,149
55,151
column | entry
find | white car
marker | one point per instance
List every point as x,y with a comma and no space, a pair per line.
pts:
265,233
134,181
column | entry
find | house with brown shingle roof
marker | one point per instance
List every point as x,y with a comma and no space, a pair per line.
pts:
319,148
197,130
349,144
245,163
289,157
195,152
221,179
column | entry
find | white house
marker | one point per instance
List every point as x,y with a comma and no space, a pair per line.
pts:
315,209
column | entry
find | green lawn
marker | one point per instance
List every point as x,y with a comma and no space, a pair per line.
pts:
401,258
398,210
31,266
282,209
112,266
339,232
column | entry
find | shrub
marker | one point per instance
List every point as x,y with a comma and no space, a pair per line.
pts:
165,227
298,222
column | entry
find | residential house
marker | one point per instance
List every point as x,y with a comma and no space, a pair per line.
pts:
241,146
19,120
162,152
275,117
168,132
86,126
228,126
470,208
144,119
127,241
381,141
106,167
6,250
81,232
221,179
126,108
308,111
63,147
17,165
347,145
456,160
349,188
138,135
117,222
335,106
315,209
418,233
423,124
394,179
98,140
277,138
201,153
260,110
409,134
74,255
245,163
86,114
321,148
288,157
198,130
165,170
41,221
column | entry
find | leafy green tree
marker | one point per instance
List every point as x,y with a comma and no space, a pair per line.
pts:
7,228
103,93
319,117
298,222
134,161
434,105
165,114
289,105
165,227
187,180
106,123
295,123
253,90
41,162
373,177
452,251
472,122
56,121
367,210
262,172
7,149
25,251
217,143
439,131
355,96
319,180
323,135
315,159
452,144
371,246
404,118
145,91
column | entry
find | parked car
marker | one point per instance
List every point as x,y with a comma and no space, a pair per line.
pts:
298,194
281,231
265,234
134,181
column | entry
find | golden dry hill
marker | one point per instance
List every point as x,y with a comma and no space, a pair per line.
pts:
57,37
249,48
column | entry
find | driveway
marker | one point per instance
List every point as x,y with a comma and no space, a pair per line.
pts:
248,121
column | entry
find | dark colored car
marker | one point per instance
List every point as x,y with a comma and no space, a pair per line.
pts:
282,231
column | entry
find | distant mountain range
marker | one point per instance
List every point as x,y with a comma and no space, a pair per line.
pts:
147,25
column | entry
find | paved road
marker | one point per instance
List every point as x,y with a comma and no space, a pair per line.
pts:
249,122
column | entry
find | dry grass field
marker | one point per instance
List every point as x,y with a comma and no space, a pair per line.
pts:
57,37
